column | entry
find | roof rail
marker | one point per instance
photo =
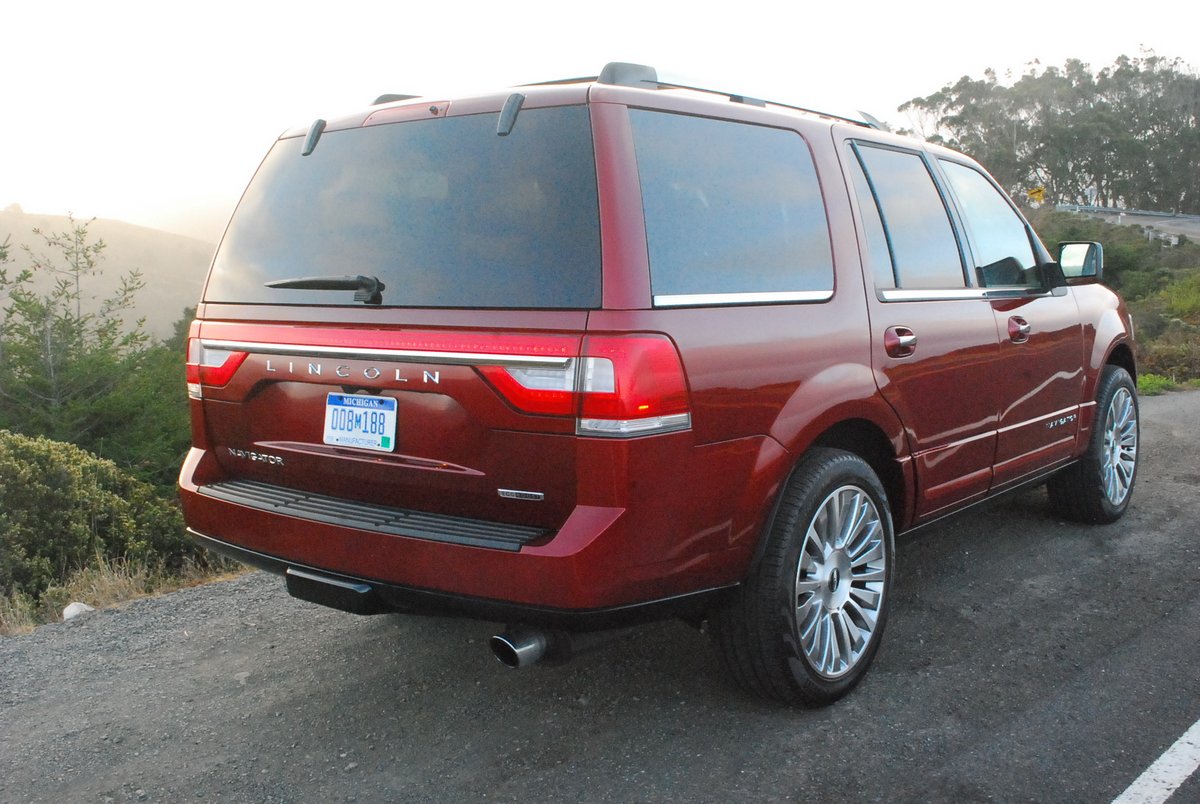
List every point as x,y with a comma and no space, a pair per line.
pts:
643,76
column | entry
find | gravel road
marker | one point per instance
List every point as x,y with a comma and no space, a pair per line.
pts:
1026,660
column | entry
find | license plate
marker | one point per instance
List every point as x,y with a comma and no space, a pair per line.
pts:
354,420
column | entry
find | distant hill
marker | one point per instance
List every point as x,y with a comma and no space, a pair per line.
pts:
172,266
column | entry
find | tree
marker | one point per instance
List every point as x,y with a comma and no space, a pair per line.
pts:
1128,135
59,362
85,372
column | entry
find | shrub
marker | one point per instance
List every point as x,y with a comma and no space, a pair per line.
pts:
60,507
1182,299
1174,354
1154,384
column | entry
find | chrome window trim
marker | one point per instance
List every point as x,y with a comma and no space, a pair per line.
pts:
391,355
771,297
1017,292
961,294
889,294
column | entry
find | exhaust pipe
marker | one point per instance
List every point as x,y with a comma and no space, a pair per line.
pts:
521,647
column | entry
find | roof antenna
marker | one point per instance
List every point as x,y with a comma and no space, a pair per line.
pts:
508,115
873,121
314,136
625,74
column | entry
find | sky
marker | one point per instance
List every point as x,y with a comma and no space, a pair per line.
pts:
157,113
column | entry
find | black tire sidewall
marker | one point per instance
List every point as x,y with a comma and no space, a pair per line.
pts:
821,474
1113,379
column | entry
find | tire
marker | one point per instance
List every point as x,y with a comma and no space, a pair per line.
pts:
807,622
1097,488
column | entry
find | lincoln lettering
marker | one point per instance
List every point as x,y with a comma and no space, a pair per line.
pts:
345,371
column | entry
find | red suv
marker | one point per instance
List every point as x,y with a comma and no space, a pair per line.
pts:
580,355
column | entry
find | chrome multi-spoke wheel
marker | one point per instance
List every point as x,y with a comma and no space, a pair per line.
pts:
1097,488
806,623
839,584
1118,455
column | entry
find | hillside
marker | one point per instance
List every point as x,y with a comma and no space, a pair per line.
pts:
172,266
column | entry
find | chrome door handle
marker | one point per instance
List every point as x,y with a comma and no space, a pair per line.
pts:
1018,329
899,341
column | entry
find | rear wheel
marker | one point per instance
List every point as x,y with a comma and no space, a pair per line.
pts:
1097,489
806,624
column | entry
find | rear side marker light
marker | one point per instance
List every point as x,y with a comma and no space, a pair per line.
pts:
208,366
621,386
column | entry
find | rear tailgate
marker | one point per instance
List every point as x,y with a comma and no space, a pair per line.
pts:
459,447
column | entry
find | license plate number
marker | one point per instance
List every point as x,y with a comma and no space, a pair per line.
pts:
366,422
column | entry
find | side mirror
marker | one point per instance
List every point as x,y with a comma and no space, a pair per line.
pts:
1081,260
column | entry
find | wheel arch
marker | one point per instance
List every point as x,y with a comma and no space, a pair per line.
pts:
1122,355
866,440
869,440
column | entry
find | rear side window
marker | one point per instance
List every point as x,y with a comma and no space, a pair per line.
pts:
443,211
733,212
921,242
878,255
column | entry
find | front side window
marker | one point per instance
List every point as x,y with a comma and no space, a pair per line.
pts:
999,239
921,242
731,209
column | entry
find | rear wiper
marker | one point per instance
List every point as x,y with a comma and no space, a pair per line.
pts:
367,289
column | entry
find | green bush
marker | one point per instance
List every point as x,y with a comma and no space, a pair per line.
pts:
1182,299
60,507
1174,354
1154,384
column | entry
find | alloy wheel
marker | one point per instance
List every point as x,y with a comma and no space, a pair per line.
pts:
840,581
1118,457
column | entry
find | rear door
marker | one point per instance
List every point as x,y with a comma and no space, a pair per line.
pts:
934,343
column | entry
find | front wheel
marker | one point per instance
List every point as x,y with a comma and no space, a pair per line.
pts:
806,624
1097,489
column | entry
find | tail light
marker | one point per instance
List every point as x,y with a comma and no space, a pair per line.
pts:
208,366
619,386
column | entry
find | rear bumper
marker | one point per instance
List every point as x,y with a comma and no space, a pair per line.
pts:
371,596
604,565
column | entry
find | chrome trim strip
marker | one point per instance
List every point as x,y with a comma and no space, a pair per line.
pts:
1016,293
965,294
631,428
390,355
775,297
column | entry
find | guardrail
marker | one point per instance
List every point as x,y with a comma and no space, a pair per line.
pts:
1121,211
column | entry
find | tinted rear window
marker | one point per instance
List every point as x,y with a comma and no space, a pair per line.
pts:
923,246
730,208
443,211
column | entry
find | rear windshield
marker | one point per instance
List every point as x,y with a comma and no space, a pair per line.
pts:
444,212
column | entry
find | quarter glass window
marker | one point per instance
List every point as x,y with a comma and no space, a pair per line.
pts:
730,208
